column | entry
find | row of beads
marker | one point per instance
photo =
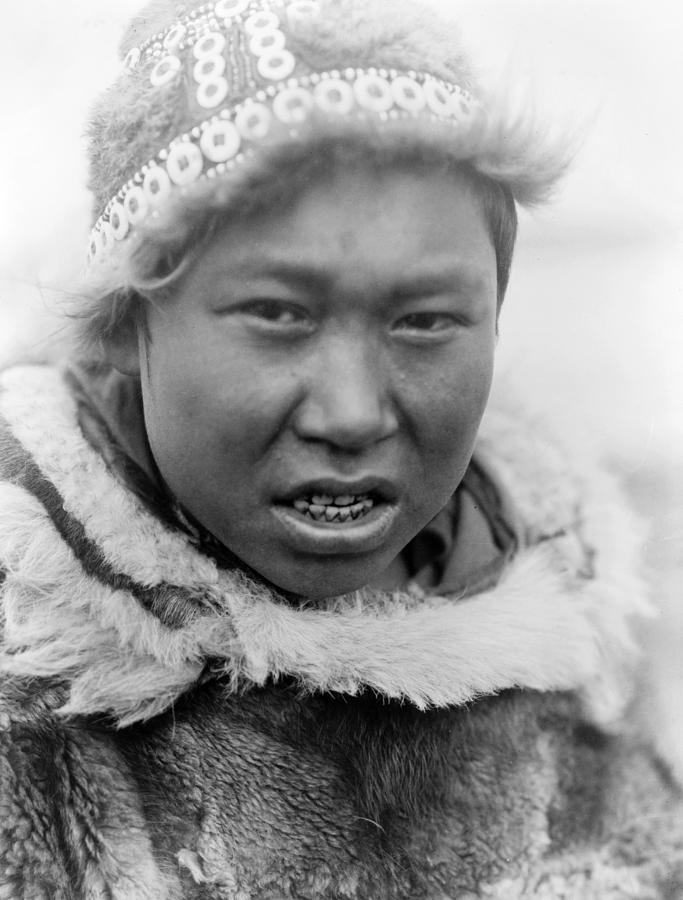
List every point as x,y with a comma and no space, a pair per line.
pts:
185,33
210,148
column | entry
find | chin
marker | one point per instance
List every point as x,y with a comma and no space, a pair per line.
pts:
316,583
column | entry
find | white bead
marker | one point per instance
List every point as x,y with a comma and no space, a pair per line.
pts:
463,106
408,93
438,97
175,37
210,44
228,9
301,10
165,70
293,105
264,41
212,92
106,235
253,121
208,68
334,96
374,93
261,21
119,221
156,184
276,65
135,205
220,141
97,247
132,59
185,163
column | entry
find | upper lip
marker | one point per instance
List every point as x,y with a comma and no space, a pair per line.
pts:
383,488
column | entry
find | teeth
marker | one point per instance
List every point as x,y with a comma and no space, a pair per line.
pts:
324,508
322,499
357,510
344,500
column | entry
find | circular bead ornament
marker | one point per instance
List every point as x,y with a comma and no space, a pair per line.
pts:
175,37
334,96
261,21
220,141
132,59
119,221
276,65
293,105
253,121
408,94
462,106
106,235
373,93
228,9
301,10
185,163
211,44
135,205
165,70
438,97
208,68
212,92
265,41
156,185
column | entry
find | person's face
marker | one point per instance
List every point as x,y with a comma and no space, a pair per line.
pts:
313,388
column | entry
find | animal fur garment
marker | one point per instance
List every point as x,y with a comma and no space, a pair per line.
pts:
173,730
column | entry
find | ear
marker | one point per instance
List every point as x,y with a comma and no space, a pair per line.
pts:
123,349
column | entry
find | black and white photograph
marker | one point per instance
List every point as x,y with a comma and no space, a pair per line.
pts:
341,450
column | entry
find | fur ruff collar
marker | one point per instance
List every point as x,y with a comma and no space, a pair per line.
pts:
103,597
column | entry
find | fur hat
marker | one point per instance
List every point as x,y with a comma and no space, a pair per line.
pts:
212,93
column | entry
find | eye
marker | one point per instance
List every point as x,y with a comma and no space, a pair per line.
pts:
275,312
426,323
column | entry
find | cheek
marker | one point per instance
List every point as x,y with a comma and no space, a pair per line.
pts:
211,404
451,400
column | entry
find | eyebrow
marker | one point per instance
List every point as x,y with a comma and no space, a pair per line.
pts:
430,277
462,277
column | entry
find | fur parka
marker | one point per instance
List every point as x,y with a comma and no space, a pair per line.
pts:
172,730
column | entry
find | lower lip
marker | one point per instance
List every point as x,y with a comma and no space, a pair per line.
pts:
355,536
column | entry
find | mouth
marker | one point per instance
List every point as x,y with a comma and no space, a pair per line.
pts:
333,517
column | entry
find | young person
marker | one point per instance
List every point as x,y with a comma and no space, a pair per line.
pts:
286,612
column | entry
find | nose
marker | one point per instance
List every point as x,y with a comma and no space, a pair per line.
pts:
348,403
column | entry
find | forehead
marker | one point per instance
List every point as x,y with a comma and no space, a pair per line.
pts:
358,224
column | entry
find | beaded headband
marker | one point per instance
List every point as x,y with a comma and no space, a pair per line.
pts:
239,49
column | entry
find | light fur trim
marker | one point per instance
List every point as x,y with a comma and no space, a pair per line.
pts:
552,479
545,627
